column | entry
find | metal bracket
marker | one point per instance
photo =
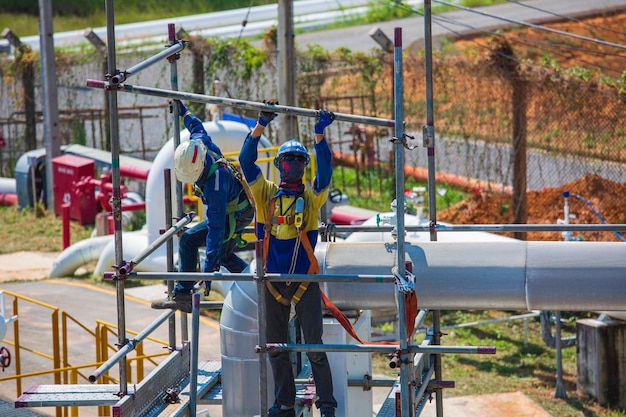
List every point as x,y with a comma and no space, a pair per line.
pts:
328,232
171,396
403,141
428,136
121,272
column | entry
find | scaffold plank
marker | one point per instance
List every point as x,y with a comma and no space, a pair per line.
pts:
69,395
151,392
209,389
388,409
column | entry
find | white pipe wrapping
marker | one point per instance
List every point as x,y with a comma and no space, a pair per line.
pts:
515,275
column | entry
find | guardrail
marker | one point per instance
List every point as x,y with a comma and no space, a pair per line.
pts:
61,326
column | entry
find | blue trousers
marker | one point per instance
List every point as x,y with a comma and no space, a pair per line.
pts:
195,237
309,312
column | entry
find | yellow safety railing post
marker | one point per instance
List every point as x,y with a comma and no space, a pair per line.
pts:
16,335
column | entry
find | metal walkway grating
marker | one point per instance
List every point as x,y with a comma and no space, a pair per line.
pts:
8,410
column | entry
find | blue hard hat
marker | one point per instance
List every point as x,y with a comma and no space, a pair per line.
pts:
291,147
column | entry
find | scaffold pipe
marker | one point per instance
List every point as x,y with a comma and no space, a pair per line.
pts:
435,349
171,50
242,104
129,346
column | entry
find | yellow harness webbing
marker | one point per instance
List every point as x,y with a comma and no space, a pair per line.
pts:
306,243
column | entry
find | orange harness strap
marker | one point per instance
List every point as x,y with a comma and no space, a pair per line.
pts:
410,313
313,267
410,299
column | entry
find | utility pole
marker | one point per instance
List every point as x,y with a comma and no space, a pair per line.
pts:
286,69
52,136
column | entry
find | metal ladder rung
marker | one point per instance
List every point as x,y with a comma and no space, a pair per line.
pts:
69,395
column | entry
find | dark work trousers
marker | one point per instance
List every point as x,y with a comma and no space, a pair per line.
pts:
195,237
309,312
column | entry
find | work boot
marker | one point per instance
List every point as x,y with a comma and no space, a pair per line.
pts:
279,411
327,411
179,301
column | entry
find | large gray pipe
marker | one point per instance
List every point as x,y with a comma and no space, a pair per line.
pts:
512,275
503,275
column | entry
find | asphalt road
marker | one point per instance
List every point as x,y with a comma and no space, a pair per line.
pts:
459,22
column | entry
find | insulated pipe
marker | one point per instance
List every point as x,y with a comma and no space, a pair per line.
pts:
488,275
515,275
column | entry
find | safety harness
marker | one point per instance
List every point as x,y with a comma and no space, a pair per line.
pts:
298,221
410,297
235,205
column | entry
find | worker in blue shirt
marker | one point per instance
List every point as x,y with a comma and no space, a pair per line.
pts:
287,221
199,161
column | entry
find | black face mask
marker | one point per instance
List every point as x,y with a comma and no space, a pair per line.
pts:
291,169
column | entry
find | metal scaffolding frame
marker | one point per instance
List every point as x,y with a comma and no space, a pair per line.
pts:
429,353
420,365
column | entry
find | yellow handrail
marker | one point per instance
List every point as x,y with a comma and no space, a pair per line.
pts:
62,371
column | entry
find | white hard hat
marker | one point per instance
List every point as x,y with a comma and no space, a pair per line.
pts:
189,161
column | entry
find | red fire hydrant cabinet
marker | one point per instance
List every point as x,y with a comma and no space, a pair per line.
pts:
73,185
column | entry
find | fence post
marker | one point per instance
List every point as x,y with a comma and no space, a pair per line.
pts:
520,202
504,61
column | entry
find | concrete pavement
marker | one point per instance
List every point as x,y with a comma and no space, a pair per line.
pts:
83,306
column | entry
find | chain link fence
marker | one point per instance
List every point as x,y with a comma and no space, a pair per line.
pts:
484,110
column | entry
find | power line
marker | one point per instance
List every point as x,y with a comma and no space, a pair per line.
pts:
543,28
528,41
437,19
573,19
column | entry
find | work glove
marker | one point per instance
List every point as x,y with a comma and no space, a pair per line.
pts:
181,107
323,119
265,116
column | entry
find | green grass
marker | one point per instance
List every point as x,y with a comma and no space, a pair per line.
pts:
130,11
377,190
35,230
529,367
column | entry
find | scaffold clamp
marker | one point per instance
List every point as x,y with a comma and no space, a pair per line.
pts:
405,284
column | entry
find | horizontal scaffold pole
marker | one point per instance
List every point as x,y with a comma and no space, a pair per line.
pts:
171,50
219,276
242,104
483,228
436,349
123,270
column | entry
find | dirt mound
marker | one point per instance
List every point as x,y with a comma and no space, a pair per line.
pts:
590,199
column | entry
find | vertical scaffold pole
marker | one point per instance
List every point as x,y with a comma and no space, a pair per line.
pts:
116,200
262,320
193,363
429,143
178,187
167,185
405,364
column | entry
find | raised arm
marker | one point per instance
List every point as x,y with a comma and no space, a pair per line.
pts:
249,150
196,128
322,151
